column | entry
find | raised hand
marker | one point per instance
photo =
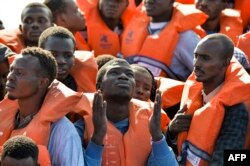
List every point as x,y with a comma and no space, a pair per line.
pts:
180,122
99,118
155,119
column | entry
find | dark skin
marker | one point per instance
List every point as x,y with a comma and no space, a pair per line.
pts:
181,122
100,120
121,79
159,10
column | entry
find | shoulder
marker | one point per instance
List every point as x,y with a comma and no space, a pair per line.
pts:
63,127
189,34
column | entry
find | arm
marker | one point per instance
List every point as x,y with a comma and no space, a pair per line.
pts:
64,144
93,152
233,132
161,154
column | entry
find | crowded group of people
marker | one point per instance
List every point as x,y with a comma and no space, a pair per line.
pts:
125,83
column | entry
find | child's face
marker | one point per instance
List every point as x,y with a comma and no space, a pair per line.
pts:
143,85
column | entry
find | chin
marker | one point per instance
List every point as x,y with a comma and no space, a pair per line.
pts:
11,97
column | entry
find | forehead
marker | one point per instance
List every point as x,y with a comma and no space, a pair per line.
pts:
57,43
119,65
209,46
35,11
26,62
14,162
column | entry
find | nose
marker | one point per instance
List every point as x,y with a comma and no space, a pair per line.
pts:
139,90
60,60
123,76
196,61
10,76
35,25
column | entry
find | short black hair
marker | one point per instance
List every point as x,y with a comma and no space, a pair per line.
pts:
102,71
37,5
20,147
103,59
56,31
154,86
47,61
56,6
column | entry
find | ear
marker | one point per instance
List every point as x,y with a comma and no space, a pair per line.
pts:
44,82
227,62
20,28
60,20
98,85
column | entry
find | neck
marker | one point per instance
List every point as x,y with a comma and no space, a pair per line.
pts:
111,23
31,43
212,25
31,105
117,111
163,17
210,86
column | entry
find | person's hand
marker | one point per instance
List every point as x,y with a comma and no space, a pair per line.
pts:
180,122
155,119
99,118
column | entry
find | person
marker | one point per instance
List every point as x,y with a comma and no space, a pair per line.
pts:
146,85
105,20
31,108
76,71
220,19
145,88
127,120
5,52
151,29
67,14
208,121
35,18
19,150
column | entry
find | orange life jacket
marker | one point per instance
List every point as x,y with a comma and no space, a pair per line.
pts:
200,138
230,25
243,6
81,44
13,39
131,148
244,43
171,91
186,1
140,47
101,39
58,101
84,71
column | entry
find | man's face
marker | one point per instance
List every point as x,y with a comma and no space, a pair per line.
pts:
35,21
209,65
143,85
112,9
63,51
4,70
74,17
212,8
23,80
118,82
9,161
155,8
